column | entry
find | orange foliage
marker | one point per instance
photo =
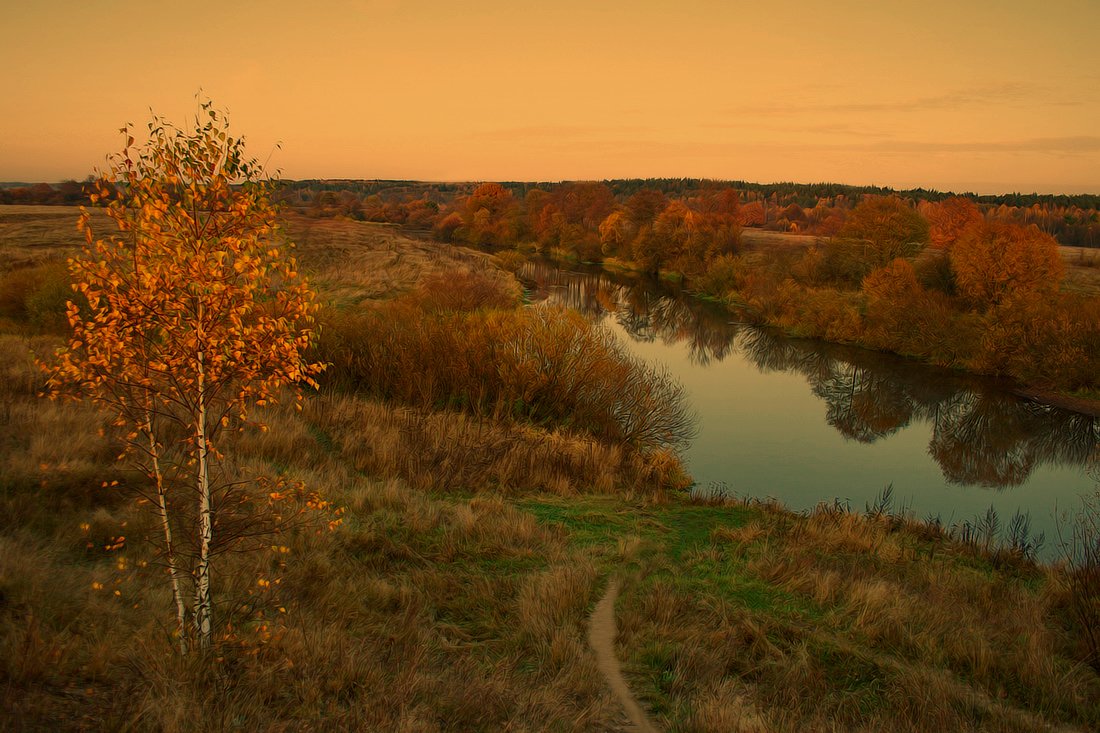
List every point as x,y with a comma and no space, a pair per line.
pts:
995,262
445,229
644,206
616,232
489,214
752,214
947,220
886,227
571,216
897,281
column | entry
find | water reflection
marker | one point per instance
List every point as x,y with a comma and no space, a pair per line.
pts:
981,434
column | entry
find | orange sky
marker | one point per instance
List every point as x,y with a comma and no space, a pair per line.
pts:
959,94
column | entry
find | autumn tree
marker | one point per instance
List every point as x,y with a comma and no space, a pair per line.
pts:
616,233
752,214
720,224
995,262
947,220
667,240
189,314
644,206
490,214
878,231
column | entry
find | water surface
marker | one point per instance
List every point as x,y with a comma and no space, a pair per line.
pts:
805,421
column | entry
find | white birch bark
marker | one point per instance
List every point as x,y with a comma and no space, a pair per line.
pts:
204,610
166,526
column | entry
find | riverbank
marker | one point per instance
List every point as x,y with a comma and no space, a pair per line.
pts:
844,318
1086,405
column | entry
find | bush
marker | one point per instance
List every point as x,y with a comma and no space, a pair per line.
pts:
934,272
466,290
546,366
724,274
1053,342
448,228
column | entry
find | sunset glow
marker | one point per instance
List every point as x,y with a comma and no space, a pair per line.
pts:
982,96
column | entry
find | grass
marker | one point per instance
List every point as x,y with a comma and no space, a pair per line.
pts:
454,595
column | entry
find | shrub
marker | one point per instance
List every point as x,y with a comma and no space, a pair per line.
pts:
466,290
447,228
547,366
725,273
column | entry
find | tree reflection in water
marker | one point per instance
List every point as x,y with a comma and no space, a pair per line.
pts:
981,434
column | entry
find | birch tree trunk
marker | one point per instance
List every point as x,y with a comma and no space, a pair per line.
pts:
166,526
204,608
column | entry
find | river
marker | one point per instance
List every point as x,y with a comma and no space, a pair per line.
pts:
804,421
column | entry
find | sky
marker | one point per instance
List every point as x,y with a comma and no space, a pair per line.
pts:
970,95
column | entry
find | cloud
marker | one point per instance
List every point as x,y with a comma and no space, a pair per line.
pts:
554,132
1069,145
619,145
813,129
997,95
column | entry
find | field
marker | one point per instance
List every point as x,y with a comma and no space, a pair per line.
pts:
1082,269
456,592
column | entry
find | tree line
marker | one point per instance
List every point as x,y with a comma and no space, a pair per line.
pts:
807,208
817,209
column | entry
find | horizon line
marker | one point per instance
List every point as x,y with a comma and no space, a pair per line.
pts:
971,189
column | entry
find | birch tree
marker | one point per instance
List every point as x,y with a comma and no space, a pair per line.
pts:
186,317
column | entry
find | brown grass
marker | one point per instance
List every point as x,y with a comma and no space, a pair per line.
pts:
763,239
350,262
425,610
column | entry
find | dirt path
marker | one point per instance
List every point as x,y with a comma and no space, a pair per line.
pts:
601,636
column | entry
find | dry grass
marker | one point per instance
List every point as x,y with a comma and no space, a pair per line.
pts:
350,262
763,239
452,453
839,621
427,609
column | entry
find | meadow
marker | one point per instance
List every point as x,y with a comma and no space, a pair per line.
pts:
486,499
